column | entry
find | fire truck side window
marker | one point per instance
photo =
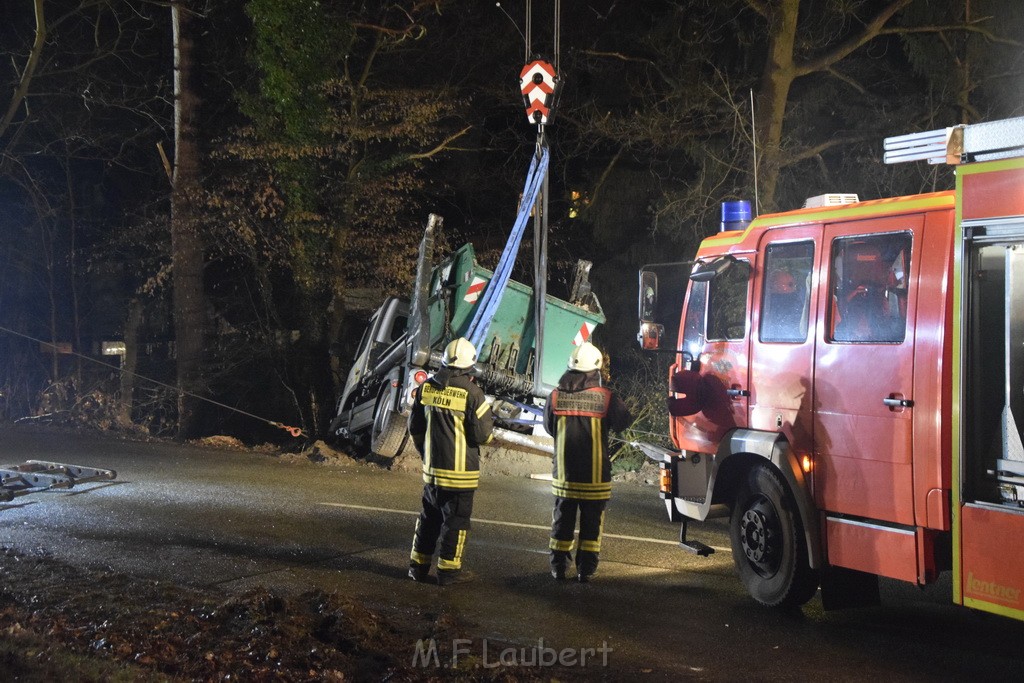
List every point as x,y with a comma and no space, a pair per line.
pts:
869,288
727,304
693,325
786,293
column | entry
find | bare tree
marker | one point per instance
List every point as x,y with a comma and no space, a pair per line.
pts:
186,240
78,101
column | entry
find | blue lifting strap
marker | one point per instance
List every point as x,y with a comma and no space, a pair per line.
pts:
491,298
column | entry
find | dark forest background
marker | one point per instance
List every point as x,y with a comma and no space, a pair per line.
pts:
283,191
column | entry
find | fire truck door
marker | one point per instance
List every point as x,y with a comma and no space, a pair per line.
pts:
782,343
714,332
990,572
863,375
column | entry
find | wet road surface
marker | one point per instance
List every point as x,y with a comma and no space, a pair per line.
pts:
235,520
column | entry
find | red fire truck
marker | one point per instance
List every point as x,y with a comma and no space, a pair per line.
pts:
849,385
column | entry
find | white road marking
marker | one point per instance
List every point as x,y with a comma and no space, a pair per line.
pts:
477,520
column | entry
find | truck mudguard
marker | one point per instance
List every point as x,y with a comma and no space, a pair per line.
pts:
775,448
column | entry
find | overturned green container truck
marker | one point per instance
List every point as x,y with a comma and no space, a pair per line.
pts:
404,339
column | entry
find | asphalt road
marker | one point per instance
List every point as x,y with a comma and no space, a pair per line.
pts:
234,520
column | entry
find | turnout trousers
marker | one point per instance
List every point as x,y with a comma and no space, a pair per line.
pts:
445,514
563,528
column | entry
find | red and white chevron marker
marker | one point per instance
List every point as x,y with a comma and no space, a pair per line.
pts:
475,288
537,81
584,334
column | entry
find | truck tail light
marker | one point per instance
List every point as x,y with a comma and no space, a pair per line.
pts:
665,483
420,377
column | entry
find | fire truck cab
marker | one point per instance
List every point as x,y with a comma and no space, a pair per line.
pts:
849,385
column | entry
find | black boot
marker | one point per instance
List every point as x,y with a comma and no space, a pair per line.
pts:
560,564
418,572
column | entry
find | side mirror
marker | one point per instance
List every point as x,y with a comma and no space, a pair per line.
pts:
649,336
650,332
648,299
703,271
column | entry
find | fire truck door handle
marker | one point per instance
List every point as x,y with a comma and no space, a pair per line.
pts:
736,393
898,402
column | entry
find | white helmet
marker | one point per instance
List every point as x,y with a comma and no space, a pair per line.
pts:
459,354
585,358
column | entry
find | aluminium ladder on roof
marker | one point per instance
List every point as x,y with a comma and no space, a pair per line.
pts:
966,143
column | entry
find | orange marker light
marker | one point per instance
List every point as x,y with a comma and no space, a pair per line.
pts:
666,480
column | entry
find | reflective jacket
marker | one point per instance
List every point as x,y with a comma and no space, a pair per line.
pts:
449,421
578,415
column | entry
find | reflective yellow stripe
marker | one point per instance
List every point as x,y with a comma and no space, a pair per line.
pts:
453,474
555,544
416,557
451,479
460,546
560,449
581,490
429,438
453,483
869,209
455,562
587,485
583,495
460,444
596,449
449,398
484,407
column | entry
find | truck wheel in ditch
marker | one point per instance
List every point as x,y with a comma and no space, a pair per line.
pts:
388,433
768,544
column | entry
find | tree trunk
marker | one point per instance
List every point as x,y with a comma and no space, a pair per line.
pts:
186,245
773,95
29,69
130,362
782,68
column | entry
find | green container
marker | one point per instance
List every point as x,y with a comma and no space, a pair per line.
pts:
456,289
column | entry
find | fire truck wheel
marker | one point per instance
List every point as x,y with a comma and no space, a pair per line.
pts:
768,544
388,433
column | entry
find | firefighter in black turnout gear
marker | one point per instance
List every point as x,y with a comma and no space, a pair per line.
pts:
578,415
450,419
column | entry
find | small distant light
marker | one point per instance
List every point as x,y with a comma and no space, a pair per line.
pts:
805,464
113,348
